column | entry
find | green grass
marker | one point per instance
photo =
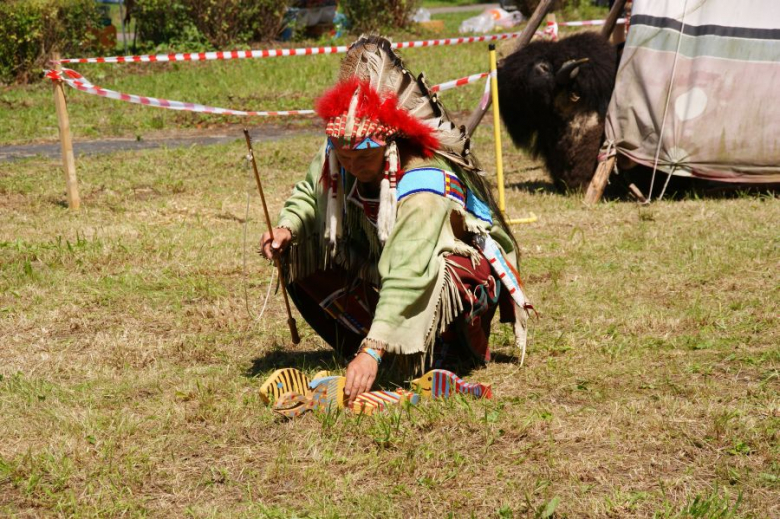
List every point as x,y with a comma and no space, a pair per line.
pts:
130,367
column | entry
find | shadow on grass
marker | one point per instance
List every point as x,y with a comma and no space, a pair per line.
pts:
391,377
681,188
312,360
678,188
533,186
503,358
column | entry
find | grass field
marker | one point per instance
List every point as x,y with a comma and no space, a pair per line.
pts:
130,367
132,353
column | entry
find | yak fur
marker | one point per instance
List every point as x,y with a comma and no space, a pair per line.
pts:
559,117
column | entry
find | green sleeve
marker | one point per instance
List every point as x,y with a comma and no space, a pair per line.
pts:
299,213
410,270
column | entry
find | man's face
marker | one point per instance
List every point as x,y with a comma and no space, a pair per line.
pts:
365,163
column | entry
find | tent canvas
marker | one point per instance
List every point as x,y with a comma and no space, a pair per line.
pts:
697,89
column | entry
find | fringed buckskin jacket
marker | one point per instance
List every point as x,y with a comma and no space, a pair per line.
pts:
418,296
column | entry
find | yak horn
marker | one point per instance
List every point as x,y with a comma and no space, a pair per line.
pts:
569,70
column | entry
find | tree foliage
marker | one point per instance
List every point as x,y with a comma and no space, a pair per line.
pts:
30,30
376,15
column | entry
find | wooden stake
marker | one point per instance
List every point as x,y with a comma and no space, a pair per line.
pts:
523,39
637,193
66,143
599,181
612,18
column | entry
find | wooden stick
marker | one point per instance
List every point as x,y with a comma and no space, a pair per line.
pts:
637,193
523,39
599,181
290,319
612,18
66,143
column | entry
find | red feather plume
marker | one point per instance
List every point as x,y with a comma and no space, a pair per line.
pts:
376,107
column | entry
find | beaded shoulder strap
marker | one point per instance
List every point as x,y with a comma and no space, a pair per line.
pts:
444,183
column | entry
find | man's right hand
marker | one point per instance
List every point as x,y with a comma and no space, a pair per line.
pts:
272,249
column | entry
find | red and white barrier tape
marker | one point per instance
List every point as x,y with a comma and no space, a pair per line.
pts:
550,32
208,56
441,87
307,51
485,99
274,53
79,82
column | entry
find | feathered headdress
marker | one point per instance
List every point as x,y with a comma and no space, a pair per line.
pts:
376,96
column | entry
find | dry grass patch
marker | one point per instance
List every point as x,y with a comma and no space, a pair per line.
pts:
130,367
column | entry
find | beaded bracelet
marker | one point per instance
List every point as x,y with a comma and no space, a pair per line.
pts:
372,352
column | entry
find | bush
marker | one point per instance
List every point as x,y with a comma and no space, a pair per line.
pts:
527,7
571,9
226,22
375,15
219,23
159,21
30,30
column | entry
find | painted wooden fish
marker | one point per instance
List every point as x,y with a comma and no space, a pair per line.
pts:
283,381
440,383
292,404
295,395
374,401
319,375
327,393
323,377
286,380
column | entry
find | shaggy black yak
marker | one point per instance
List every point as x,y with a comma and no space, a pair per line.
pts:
554,97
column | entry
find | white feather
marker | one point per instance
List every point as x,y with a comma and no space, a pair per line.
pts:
385,217
332,211
388,201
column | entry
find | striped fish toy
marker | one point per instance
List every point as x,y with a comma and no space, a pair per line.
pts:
375,401
283,381
440,383
328,392
292,405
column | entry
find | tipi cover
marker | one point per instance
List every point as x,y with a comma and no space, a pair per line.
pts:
704,76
